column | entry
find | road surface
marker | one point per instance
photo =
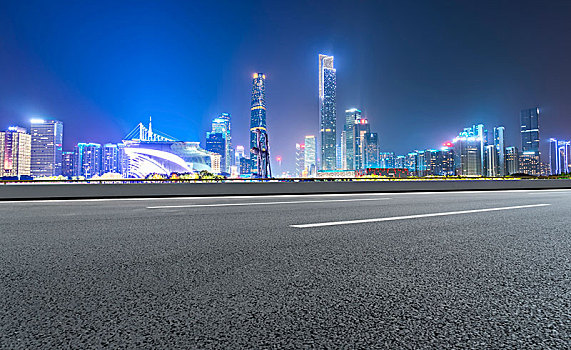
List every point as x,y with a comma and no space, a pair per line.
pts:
482,270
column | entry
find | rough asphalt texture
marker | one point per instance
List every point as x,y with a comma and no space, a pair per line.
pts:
116,274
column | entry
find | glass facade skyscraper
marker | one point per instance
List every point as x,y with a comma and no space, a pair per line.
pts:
87,162
257,113
559,157
47,139
352,116
15,152
328,112
530,157
500,145
310,155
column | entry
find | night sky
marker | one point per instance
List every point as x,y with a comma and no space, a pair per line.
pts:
420,71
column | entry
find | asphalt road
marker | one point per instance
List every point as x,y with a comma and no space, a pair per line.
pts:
481,270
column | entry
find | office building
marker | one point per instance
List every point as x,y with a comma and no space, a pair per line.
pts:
239,153
310,156
245,166
111,160
352,116
216,143
512,160
446,160
492,161
328,112
67,163
360,129
371,150
500,145
410,163
15,152
87,162
299,159
400,162
559,156
222,124
47,140
387,160
257,115
469,151
530,157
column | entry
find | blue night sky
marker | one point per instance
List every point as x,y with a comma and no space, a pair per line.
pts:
420,70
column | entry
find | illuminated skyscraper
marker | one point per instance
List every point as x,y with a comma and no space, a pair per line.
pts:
87,162
559,156
15,152
67,164
469,151
299,159
512,160
360,129
257,113
352,116
371,150
47,139
222,124
492,161
111,162
310,155
530,157
328,112
500,145
387,160
239,153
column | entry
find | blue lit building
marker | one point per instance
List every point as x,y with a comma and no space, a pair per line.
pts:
328,112
87,162
530,157
47,140
257,113
559,156
352,116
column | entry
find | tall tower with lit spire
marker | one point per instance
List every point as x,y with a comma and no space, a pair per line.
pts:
327,113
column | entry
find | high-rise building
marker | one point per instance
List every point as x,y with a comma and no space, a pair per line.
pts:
492,161
67,163
47,140
512,160
257,114
328,112
371,150
559,156
410,163
239,153
222,124
387,160
500,145
352,116
15,152
446,160
216,143
310,155
469,151
111,160
360,129
299,159
342,151
433,166
530,157
400,162
220,135
245,166
87,162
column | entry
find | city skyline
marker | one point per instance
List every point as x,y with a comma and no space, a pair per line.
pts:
410,107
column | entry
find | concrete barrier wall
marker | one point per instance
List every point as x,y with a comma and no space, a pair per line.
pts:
70,191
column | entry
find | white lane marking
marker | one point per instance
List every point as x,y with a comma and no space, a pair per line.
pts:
349,222
550,192
265,203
